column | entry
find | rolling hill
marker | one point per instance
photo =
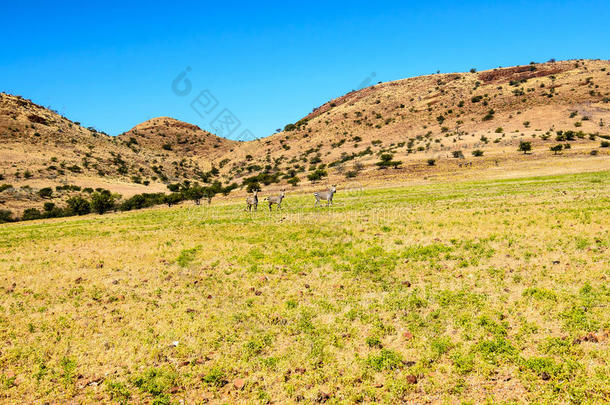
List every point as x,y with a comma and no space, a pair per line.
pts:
436,126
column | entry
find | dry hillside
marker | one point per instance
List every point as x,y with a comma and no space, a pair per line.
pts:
431,117
41,148
420,123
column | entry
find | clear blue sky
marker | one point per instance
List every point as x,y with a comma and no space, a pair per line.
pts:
111,64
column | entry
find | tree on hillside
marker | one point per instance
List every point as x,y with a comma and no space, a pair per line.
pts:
102,202
208,194
458,154
78,205
386,161
316,175
525,146
252,187
31,214
194,193
172,199
6,216
46,192
294,181
227,190
556,149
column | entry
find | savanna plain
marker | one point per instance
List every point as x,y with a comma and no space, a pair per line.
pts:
481,291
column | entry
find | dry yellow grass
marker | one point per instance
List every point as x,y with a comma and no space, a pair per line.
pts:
443,292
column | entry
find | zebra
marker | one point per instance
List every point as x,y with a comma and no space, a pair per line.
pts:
325,195
276,200
252,202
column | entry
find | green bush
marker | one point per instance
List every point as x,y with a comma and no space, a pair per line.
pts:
373,341
489,116
30,214
6,216
215,377
118,391
78,205
46,192
156,381
294,181
386,161
140,201
525,146
556,148
458,154
316,175
102,202
172,199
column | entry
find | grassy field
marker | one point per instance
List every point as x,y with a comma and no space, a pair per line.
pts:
479,291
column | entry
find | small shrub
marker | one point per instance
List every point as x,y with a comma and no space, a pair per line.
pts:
386,161
316,175
117,391
431,162
46,192
385,360
556,148
75,169
477,153
31,214
458,154
215,377
156,381
373,341
5,216
440,346
525,146
294,181
605,144
463,363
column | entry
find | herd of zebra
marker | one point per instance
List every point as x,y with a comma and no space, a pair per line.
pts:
327,195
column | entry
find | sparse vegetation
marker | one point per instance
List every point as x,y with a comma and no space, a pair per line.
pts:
523,296
386,160
556,148
525,146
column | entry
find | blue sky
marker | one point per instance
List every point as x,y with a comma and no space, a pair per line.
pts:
111,64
